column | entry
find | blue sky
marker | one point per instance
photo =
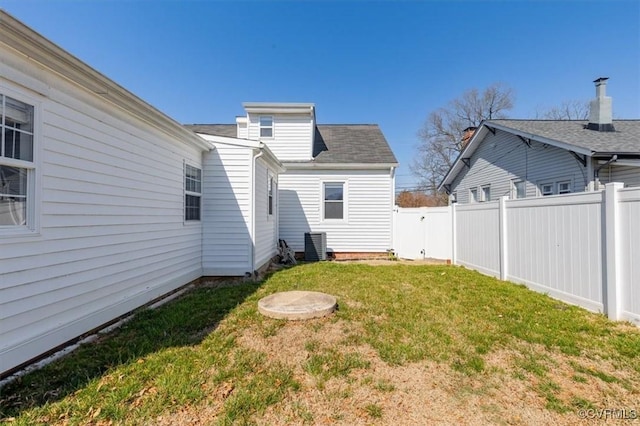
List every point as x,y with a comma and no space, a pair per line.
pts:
384,62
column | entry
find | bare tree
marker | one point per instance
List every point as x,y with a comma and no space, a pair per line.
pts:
419,199
568,110
442,135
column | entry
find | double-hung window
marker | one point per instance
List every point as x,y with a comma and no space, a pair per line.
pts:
270,190
546,189
333,200
266,126
16,164
564,187
192,192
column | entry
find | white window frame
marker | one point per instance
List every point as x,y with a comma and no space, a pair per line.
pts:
563,182
271,192
514,188
484,189
551,187
33,168
473,195
262,126
192,192
345,188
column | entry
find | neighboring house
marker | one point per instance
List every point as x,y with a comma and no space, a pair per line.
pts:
531,158
339,179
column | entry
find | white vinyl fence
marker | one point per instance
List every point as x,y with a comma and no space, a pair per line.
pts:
581,248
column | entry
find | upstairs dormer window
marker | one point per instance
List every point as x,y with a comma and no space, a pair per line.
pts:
266,126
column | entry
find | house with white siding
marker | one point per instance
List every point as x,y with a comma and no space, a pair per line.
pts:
107,204
99,198
532,158
339,179
239,206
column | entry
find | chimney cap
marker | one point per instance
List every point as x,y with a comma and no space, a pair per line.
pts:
601,79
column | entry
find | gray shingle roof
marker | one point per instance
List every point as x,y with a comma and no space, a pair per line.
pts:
228,130
334,143
351,143
625,139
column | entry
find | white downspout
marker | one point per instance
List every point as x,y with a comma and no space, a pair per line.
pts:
253,211
392,174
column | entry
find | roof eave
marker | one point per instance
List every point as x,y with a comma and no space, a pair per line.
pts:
471,147
278,107
338,166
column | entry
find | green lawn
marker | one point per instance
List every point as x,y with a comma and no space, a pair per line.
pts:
210,358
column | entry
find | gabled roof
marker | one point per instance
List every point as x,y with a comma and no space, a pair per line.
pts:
625,138
571,135
351,143
228,130
333,144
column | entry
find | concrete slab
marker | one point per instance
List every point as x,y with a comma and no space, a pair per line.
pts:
297,305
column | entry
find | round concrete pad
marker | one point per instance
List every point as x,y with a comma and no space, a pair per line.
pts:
297,305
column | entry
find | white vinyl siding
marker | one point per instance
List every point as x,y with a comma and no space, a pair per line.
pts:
368,213
292,135
503,158
266,239
227,211
627,174
111,235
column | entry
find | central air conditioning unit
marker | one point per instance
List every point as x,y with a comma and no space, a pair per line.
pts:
315,246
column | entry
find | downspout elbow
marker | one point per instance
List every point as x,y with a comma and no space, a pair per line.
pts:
596,173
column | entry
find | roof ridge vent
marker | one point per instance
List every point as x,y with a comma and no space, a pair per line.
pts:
600,114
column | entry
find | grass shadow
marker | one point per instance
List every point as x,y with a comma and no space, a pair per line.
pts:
180,323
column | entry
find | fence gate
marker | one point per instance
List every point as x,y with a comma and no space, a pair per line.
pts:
421,233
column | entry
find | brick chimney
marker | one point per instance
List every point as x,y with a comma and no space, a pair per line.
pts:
467,135
600,115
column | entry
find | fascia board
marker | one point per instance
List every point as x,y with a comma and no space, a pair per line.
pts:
471,147
271,158
275,108
35,47
227,140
